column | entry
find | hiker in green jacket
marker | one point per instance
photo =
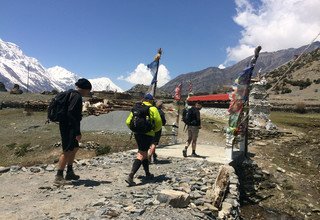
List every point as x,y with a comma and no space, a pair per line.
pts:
144,120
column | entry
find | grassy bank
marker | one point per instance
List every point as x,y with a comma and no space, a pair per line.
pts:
27,140
297,120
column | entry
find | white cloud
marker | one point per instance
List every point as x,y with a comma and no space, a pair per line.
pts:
274,25
221,66
142,75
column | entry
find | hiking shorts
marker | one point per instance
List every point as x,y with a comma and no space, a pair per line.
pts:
143,141
193,132
157,137
68,137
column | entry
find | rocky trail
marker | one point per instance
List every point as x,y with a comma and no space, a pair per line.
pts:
101,193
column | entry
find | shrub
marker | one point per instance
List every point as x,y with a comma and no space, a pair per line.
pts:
11,146
285,90
268,86
21,150
300,108
101,150
316,81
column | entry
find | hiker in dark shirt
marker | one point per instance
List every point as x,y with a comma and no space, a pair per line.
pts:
70,132
193,129
157,136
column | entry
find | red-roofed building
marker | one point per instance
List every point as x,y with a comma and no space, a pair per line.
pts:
214,100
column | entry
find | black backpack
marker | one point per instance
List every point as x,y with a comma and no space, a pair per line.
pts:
58,107
140,122
187,116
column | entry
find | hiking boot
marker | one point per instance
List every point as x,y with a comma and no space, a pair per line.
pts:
60,181
130,181
184,152
72,176
194,155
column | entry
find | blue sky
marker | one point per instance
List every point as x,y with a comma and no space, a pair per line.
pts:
110,38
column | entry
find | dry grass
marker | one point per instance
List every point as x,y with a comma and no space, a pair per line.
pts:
27,140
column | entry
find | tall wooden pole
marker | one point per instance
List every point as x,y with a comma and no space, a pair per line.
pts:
157,58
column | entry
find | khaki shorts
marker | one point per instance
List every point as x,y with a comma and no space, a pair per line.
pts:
193,132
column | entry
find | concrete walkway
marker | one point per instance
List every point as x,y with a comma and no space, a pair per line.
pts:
212,153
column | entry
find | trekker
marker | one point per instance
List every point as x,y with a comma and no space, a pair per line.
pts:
194,124
144,120
157,136
70,132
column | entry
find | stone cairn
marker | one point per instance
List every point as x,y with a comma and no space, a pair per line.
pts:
16,89
2,87
260,123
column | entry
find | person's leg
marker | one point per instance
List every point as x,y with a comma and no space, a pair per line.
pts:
145,162
151,151
184,152
138,161
62,163
189,137
195,133
145,144
70,173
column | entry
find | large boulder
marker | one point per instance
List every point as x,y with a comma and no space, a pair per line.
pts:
2,87
16,89
174,198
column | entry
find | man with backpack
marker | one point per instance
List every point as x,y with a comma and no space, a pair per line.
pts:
192,119
144,120
152,152
69,107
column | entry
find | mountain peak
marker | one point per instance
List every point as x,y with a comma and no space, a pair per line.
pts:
17,68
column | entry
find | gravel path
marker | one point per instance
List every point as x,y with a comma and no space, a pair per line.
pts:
28,193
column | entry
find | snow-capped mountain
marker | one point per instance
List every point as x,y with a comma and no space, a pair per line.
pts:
104,83
62,78
15,67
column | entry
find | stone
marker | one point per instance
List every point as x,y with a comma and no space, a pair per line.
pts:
195,195
198,202
225,210
16,90
211,207
202,208
148,202
198,214
15,168
279,169
220,186
4,169
50,168
174,198
2,87
113,213
35,169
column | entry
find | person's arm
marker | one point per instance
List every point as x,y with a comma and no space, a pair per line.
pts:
74,112
155,116
129,119
198,117
163,117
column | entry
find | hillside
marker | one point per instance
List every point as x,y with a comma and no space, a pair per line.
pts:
142,89
301,83
213,79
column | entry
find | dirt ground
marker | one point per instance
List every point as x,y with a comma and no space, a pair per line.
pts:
292,162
